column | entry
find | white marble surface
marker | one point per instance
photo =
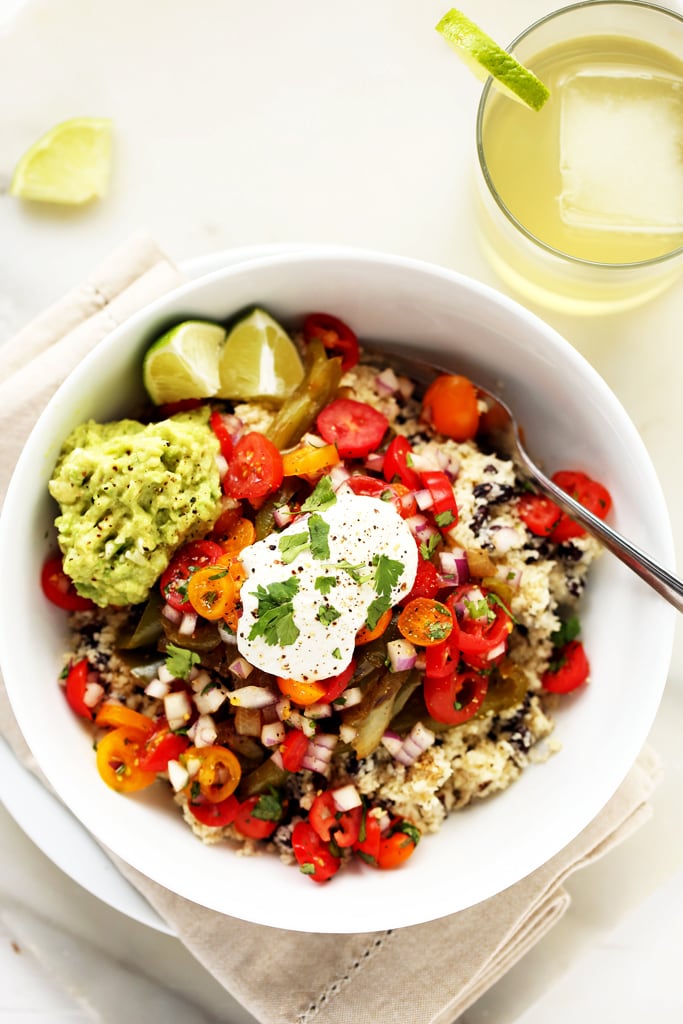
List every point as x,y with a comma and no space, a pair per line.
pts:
311,121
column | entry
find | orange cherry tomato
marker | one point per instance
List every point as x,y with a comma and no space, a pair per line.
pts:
300,692
450,405
118,760
365,635
219,772
116,715
425,621
240,535
398,846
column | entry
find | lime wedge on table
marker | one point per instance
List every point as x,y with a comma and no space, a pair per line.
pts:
183,363
259,360
69,164
485,57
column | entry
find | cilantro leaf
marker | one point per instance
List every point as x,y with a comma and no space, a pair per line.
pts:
427,549
478,609
376,610
318,531
275,613
327,614
325,584
410,830
268,806
322,497
444,518
307,868
179,662
387,572
292,545
567,632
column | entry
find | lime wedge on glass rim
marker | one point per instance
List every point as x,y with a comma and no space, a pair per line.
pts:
259,360
485,57
68,164
183,362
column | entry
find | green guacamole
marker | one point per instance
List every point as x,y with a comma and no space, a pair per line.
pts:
129,496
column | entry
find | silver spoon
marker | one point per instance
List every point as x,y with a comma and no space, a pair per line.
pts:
499,427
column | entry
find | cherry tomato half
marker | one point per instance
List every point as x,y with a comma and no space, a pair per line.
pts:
444,508
59,588
396,463
369,837
219,771
76,683
450,405
456,698
425,621
355,427
162,746
250,826
396,847
293,750
255,468
215,815
589,493
113,715
427,582
538,513
571,669
118,760
313,856
174,580
336,336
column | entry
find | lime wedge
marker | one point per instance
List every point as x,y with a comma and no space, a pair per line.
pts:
183,363
69,164
485,57
259,360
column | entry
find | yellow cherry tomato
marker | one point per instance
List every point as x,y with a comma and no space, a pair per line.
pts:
118,760
300,692
211,591
309,461
115,715
219,771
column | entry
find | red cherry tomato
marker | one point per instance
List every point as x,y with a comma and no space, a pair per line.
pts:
402,499
538,513
336,336
455,698
250,826
450,405
369,837
427,582
398,845
216,815
255,468
482,630
313,856
355,427
59,588
76,683
161,747
322,815
335,685
589,493
444,508
570,670
293,750
195,555
217,424
396,463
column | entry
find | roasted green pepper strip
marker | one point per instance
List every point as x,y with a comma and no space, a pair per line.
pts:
147,629
372,716
261,779
298,412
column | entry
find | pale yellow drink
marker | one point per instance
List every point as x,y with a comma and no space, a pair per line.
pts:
587,210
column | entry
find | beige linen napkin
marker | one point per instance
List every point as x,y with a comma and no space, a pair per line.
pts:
427,974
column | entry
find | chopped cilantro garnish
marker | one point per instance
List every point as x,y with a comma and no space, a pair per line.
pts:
307,868
275,613
325,583
567,632
322,497
478,609
410,830
438,630
268,806
376,610
494,599
179,662
336,653
427,548
318,531
444,518
292,545
327,614
387,572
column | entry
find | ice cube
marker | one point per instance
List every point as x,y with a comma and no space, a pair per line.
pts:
621,152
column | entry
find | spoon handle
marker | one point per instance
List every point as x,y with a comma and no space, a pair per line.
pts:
660,579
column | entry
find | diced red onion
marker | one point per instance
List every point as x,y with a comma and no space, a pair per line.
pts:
252,697
272,734
513,577
314,440
453,563
92,694
283,516
178,776
188,624
283,709
504,538
326,740
401,654
496,651
386,382
316,711
204,730
313,763
347,733
392,741
177,709
419,739
165,675
425,460
201,680
346,797
209,702
406,386
241,668
424,499
420,527
375,462
221,465
384,821
339,474
276,758
352,695
171,613
157,689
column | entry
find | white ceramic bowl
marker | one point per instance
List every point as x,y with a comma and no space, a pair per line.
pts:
571,418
